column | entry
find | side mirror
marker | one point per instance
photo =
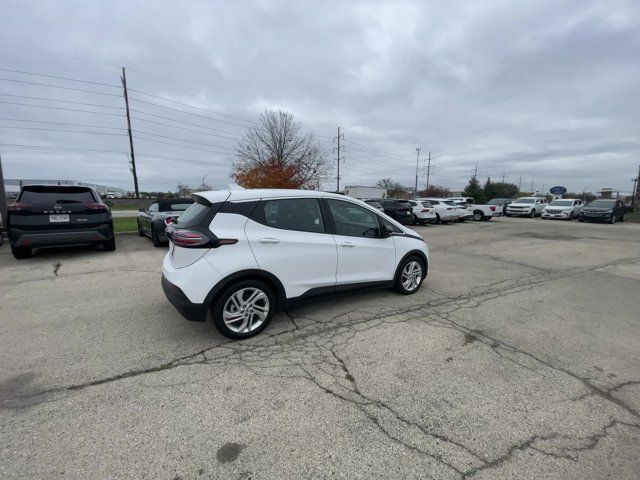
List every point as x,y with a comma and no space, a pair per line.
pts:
108,203
386,232
142,210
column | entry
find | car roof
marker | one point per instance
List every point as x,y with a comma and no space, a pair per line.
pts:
257,193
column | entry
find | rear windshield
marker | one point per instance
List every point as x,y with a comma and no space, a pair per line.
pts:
198,213
175,207
426,204
56,195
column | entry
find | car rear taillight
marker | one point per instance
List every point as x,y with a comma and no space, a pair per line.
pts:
18,207
188,238
95,206
169,220
493,209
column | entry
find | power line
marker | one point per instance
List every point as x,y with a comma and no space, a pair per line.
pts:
51,147
182,122
56,130
62,108
61,123
59,78
181,139
44,52
60,101
381,152
182,128
186,105
138,137
59,86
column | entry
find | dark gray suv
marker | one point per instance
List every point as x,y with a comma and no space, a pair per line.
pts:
55,215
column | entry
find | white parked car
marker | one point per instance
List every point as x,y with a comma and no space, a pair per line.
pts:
472,210
526,207
241,254
444,213
564,208
423,212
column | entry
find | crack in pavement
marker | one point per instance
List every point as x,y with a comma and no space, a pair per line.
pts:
311,352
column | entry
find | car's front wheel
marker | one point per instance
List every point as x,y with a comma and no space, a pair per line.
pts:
478,215
155,239
411,273
612,219
244,309
532,214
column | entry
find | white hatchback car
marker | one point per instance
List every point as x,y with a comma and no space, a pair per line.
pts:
240,254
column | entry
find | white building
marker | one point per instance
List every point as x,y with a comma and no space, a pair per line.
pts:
12,186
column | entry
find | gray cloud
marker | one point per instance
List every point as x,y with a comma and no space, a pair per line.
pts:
546,91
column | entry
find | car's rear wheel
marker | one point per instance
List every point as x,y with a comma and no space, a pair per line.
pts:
414,220
411,273
244,309
155,239
140,232
21,252
109,245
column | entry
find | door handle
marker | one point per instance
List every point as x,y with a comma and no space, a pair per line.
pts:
269,241
347,244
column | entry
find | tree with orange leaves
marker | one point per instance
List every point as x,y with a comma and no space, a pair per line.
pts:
274,154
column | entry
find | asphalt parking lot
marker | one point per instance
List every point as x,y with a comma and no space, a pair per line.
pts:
518,358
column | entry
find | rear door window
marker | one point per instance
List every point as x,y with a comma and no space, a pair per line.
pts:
297,214
52,195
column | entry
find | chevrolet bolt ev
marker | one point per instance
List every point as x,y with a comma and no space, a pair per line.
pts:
240,255
55,216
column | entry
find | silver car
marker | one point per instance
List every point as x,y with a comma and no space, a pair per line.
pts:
153,220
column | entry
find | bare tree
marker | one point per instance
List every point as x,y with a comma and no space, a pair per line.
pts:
274,154
394,189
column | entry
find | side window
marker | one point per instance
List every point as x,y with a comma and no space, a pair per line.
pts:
434,202
352,220
298,214
387,224
153,208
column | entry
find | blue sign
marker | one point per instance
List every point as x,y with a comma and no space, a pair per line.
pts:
557,190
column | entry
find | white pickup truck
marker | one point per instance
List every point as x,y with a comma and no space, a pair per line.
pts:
527,207
478,212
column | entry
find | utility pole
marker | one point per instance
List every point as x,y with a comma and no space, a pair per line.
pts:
3,202
531,187
520,184
203,177
123,79
339,158
503,175
415,190
428,169
475,172
634,196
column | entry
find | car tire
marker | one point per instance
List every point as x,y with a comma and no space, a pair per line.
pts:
478,216
140,232
410,275
570,216
224,308
414,220
532,214
155,239
110,245
612,219
437,218
622,218
581,220
21,252
507,215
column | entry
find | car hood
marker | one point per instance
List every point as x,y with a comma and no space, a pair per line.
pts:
549,207
597,209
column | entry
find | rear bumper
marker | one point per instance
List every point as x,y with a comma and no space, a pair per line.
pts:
60,237
196,312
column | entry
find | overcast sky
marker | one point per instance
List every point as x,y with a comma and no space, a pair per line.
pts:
546,91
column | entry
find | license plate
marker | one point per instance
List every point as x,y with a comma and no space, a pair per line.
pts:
58,218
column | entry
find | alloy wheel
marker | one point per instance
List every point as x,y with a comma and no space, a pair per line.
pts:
246,310
411,275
